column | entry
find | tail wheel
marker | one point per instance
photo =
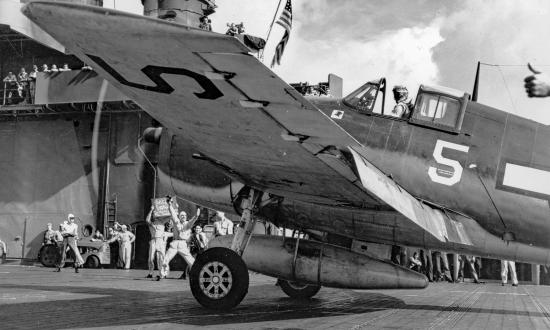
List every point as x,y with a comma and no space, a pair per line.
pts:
49,255
299,290
219,279
92,262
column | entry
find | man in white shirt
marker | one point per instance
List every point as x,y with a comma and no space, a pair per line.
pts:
181,228
223,226
126,239
70,236
157,244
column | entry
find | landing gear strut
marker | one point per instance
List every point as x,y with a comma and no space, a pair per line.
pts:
219,277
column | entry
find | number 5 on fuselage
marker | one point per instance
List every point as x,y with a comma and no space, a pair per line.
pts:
448,178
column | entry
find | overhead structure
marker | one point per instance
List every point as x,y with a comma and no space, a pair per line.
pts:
187,12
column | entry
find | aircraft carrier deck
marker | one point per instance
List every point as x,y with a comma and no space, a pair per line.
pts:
38,298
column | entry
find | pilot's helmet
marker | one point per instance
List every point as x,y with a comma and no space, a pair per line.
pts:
400,92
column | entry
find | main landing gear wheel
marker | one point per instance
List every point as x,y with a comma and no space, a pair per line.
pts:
219,279
299,290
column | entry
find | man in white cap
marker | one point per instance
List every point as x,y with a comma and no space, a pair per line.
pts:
181,228
126,239
157,244
70,237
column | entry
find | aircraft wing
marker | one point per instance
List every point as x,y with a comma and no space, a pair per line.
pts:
242,116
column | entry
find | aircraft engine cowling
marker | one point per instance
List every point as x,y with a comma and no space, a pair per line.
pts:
183,170
323,264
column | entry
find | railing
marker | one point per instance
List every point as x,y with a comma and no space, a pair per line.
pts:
18,92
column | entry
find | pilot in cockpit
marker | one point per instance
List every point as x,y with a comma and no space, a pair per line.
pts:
403,106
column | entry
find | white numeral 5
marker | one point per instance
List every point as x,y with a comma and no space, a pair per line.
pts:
454,175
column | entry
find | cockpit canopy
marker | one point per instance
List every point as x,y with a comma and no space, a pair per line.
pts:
363,99
438,107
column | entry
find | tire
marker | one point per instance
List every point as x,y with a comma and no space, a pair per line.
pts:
92,262
49,255
219,279
298,290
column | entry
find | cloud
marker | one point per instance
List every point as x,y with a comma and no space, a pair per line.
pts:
420,42
498,32
403,56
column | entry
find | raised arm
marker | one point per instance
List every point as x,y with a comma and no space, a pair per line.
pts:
191,222
173,212
148,218
112,239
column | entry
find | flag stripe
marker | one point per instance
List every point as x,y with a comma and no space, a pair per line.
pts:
285,26
285,20
279,50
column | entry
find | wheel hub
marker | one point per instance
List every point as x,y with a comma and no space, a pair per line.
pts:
215,280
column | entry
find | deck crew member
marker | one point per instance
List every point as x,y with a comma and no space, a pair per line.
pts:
49,235
181,228
126,239
470,260
97,236
157,244
70,237
506,265
114,246
223,226
198,240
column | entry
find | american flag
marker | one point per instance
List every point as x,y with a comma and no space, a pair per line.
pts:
286,22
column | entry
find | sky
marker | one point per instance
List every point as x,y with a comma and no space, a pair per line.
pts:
432,42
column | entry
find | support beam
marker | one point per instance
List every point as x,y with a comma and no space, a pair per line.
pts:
242,235
535,274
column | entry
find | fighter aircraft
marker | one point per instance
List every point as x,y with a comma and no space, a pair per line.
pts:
454,176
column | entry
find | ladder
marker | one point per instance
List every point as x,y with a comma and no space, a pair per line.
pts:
110,212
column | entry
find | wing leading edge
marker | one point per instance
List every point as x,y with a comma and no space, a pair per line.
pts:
206,86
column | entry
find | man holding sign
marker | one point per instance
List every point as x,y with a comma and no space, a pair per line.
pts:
157,243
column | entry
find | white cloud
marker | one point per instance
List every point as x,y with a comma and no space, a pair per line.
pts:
403,56
498,32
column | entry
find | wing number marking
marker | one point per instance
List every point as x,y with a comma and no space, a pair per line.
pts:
153,72
451,177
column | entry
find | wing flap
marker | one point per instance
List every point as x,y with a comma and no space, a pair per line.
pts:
434,221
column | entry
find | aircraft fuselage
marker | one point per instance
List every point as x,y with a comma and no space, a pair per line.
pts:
488,171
